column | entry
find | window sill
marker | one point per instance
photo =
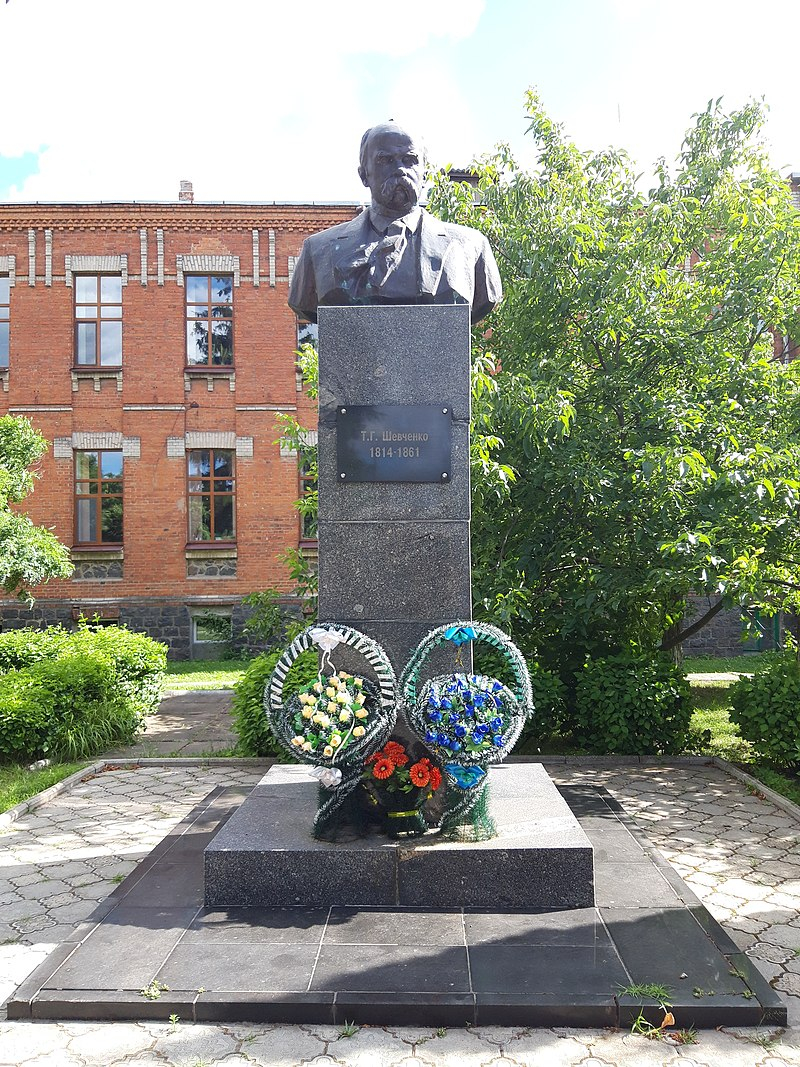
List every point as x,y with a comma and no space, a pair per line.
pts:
211,551
96,375
204,368
97,552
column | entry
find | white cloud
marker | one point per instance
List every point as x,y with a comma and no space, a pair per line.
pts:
249,101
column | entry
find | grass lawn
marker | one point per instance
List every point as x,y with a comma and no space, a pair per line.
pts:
17,783
720,664
204,674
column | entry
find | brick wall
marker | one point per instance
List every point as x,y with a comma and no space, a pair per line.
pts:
153,406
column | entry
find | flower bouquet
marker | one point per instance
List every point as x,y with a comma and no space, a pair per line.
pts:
400,789
335,722
467,720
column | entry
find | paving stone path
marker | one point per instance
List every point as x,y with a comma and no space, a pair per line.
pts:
737,851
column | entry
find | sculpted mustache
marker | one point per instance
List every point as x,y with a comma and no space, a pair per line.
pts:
397,181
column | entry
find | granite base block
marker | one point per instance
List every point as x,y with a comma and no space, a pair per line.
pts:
265,854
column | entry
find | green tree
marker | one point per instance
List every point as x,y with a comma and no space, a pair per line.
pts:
29,554
637,440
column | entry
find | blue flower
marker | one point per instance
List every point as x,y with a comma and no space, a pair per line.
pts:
435,716
430,736
433,702
479,700
482,729
496,686
442,739
460,731
477,739
498,740
496,723
453,716
455,746
446,703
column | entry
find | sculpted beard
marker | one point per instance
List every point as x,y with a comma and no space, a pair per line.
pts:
399,191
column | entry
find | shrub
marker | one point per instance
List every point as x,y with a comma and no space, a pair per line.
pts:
632,705
139,661
549,707
25,646
249,720
766,708
69,708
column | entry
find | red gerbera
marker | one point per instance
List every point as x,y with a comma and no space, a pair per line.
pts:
436,777
419,775
372,758
396,752
384,768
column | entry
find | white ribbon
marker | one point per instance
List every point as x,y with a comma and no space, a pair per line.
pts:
327,776
327,640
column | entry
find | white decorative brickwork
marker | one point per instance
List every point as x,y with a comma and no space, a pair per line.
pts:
95,265
256,260
210,439
244,447
160,255
132,447
8,265
176,448
62,448
48,257
206,265
292,261
308,437
143,255
272,258
31,257
89,439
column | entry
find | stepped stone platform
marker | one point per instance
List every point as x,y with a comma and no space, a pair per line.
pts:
265,854
402,965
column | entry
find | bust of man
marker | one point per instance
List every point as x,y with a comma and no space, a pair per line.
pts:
395,252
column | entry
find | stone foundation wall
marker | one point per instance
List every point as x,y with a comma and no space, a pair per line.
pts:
723,635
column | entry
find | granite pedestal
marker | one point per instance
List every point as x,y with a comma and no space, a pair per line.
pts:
394,556
265,854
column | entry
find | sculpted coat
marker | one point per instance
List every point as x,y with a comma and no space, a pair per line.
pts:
455,265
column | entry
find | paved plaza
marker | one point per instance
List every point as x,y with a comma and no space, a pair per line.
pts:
738,851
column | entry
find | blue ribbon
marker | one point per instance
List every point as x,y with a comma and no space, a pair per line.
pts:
465,777
459,635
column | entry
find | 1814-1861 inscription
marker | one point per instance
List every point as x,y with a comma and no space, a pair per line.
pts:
394,443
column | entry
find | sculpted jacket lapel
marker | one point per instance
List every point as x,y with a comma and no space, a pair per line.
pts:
434,246
347,247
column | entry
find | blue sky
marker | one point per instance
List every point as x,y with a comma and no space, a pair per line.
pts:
259,101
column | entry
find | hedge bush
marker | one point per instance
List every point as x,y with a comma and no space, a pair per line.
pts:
632,705
766,708
71,694
69,708
249,720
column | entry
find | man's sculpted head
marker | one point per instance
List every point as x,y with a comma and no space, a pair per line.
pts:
392,166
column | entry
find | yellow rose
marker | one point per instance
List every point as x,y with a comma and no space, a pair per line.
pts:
307,713
298,741
358,681
333,707
360,713
360,698
317,687
359,731
336,740
330,692
327,752
345,716
343,698
308,747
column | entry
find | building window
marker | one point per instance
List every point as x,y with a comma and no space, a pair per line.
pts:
209,320
98,320
211,627
308,501
5,315
307,333
98,497
211,495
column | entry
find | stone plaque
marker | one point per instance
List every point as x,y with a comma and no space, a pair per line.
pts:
394,443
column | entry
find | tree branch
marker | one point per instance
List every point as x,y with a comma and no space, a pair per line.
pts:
670,642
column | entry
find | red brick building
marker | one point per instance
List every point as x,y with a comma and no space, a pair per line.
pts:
152,346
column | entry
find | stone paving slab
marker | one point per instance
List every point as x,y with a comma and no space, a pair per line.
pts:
380,964
731,838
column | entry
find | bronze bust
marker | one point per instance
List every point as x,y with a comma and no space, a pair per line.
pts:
395,252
